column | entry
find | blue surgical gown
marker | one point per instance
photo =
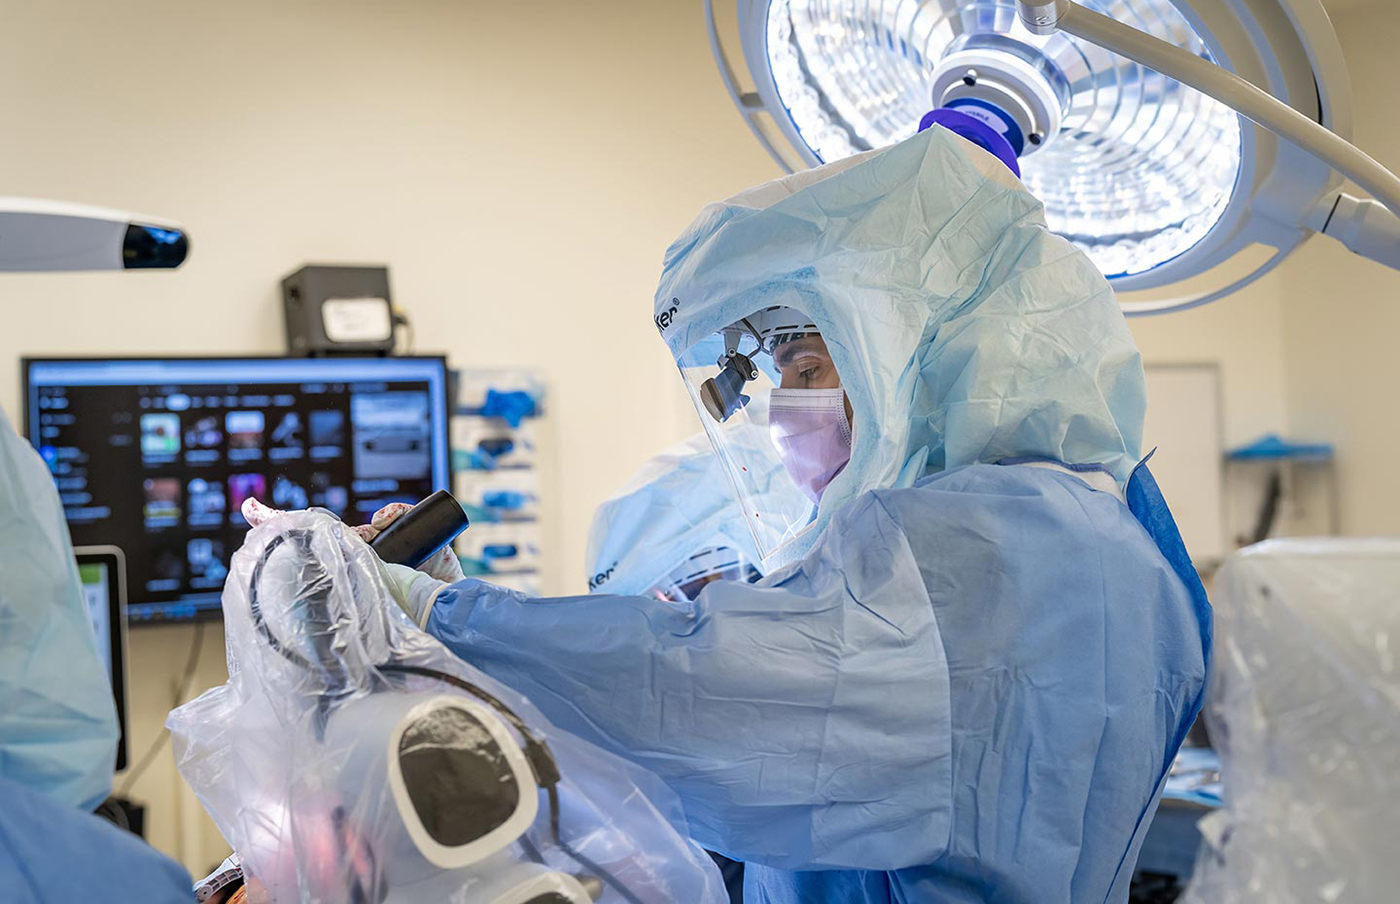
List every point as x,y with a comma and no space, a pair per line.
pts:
51,852
970,690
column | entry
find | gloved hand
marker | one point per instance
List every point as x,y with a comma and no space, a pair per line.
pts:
414,590
443,564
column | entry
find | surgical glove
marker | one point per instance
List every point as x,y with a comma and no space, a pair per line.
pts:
255,513
442,565
414,591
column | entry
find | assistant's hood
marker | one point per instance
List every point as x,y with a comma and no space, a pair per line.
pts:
963,330
677,504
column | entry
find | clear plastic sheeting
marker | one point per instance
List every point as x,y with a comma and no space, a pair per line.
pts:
351,757
1305,710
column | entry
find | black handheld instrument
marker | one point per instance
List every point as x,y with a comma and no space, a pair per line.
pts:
421,531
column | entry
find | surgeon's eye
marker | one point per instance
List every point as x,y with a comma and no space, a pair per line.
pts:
810,371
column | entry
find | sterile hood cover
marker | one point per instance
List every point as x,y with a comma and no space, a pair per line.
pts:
289,757
1304,709
58,722
963,329
678,503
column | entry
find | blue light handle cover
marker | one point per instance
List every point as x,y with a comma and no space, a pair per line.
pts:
976,131
421,531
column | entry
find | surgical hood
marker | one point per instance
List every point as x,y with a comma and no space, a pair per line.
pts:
963,329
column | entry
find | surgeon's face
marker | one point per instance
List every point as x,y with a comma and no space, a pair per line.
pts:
806,364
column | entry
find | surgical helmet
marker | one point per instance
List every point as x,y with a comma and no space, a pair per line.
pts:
677,502
962,330
718,563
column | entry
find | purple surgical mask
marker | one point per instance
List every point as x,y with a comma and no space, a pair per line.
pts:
813,436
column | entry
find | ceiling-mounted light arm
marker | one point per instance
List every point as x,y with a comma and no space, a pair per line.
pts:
37,236
1370,231
1366,227
749,104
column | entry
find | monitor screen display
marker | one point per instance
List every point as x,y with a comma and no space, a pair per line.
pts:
156,456
101,575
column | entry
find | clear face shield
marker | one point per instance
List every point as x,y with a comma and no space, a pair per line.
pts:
718,563
773,407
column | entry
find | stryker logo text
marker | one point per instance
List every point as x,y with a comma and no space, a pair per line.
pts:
668,316
600,579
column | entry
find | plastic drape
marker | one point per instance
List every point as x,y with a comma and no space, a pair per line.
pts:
1305,711
351,757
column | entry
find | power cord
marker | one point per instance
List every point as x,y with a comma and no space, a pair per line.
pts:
541,763
182,689
401,319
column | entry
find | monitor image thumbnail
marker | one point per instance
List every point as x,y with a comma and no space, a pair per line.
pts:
160,435
242,487
392,438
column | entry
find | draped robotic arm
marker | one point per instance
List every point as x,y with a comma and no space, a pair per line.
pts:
351,757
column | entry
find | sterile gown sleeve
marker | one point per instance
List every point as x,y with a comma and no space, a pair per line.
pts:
780,713
51,852
976,683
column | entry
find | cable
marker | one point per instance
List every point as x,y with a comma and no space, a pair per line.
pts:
531,851
255,609
321,627
578,858
542,762
401,319
181,690
549,780
1268,509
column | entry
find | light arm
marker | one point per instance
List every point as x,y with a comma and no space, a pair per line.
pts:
1364,226
1376,227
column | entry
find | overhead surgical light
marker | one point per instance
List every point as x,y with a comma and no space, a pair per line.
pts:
1156,181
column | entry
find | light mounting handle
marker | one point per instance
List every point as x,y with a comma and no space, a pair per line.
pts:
1048,16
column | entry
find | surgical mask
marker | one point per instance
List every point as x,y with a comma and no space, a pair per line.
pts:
813,436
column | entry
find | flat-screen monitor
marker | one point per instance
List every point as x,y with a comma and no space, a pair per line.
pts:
102,573
155,456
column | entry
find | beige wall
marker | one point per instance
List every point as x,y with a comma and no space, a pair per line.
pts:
1242,334
1341,314
521,168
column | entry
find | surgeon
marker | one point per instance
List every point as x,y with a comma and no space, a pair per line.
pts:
980,642
58,724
